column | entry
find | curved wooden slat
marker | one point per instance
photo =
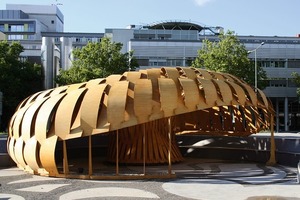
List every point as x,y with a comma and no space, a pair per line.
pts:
19,145
65,113
168,96
47,155
205,74
191,93
116,104
91,103
225,92
44,117
143,100
210,92
11,149
190,73
27,127
154,75
265,101
31,154
16,129
241,96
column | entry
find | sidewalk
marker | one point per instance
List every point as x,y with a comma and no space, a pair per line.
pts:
196,179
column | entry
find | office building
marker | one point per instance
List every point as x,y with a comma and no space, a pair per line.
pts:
166,43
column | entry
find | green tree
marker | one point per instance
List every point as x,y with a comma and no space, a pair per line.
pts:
97,60
18,79
229,55
296,79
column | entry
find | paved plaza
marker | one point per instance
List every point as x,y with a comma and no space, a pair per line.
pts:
195,179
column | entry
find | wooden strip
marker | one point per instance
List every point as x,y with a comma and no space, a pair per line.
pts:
239,92
90,156
225,92
27,126
251,93
112,79
153,75
44,118
143,100
173,73
170,146
191,94
18,120
133,76
19,146
31,154
65,158
205,74
47,155
91,104
65,113
75,87
11,149
102,123
189,72
116,104
210,92
168,96
93,82
129,116
218,76
58,90
265,102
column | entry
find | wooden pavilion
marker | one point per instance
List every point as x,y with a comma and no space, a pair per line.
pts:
140,111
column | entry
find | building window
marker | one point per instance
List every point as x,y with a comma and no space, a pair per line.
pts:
271,63
52,21
16,28
293,63
15,37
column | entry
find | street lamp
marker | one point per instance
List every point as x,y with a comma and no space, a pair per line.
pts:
255,62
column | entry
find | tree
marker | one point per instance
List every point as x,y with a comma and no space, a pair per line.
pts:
296,79
229,55
97,60
18,79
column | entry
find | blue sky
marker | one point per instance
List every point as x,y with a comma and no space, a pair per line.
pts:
245,17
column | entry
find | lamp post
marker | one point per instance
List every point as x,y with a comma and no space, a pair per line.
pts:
255,63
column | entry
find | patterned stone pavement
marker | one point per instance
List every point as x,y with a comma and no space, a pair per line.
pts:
196,179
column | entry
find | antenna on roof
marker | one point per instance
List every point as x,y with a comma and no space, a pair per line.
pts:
57,3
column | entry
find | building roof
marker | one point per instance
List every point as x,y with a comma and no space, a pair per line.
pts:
176,25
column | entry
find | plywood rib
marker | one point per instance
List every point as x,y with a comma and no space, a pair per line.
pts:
64,117
168,96
116,104
190,93
90,108
143,100
137,105
45,117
